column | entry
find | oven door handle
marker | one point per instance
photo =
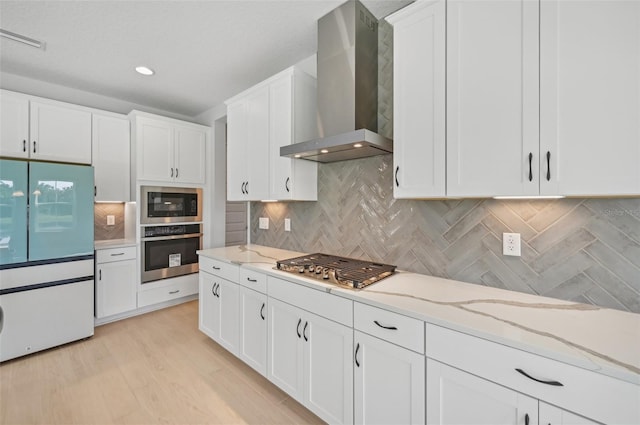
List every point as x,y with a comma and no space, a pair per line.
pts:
166,238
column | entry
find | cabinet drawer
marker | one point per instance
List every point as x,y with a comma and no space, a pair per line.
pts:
253,280
186,286
584,392
396,328
115,254
219,268
321,303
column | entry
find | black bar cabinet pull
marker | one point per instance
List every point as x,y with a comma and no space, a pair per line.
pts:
526,419
548,165
176,173
215,268
100,274
171,172
355,357
554,383
396,176
174,292
298,328
530,170
95,191
246,188
393,328
304,331
286,184
262,311
252,280
24,146
34,146
213,289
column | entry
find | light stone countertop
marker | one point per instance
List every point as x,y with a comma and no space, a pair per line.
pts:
594,338
114,243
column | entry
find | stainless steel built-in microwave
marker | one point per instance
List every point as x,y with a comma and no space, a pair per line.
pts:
170,205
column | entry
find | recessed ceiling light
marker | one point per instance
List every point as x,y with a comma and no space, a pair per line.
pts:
357,145
297,156
144,70
324,151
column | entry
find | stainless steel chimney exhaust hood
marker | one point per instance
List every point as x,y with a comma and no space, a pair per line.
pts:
347,89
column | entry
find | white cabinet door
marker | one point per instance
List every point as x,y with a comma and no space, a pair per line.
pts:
257,160
209,306
115,288
280,129
552,415
60,133
189,160
229,297
237,151
389,383
14,125
457,397
590,97
492,97
155,150
328,369
419,75
285,360
253,329
111,153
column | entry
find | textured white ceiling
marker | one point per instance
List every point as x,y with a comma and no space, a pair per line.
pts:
203,51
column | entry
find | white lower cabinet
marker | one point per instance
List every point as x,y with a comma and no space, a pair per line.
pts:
552,415
457,397
253,329
219,303
310,359
115,281
389,383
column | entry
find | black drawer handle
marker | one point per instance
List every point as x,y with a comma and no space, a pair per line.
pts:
526,419
530,169
252,280
355,357
34,146
176,173
24,146
554,383
118,254
304,331
174,292
298,328
548,165
391,328
215,268
286,184
262,311
396,176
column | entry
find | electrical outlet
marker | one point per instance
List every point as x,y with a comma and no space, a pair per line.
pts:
287,224
511,244
263,223
111,220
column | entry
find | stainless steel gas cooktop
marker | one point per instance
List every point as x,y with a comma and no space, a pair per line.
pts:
347,272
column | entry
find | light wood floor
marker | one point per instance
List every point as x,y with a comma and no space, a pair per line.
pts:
157,368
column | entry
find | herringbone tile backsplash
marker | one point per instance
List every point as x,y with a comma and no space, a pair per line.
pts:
584,250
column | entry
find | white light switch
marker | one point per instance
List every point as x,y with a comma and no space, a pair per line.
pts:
263,223
111,220
287,224
511,244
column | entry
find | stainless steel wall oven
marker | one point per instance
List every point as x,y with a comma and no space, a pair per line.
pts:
170,251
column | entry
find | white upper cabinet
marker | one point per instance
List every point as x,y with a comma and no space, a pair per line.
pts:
590,97
14,125
419,100
492,98
277,112
167,150
248,147
44,129
542,98
111,144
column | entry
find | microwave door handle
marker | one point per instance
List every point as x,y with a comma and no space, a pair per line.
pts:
166,238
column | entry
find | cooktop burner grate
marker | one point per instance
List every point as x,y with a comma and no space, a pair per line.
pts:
342,271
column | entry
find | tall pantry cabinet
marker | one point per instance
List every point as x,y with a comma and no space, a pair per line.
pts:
542,98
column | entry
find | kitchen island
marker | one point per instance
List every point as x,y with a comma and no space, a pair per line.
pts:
583,337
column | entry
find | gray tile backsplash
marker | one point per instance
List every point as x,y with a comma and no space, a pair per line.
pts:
100,228
584,250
